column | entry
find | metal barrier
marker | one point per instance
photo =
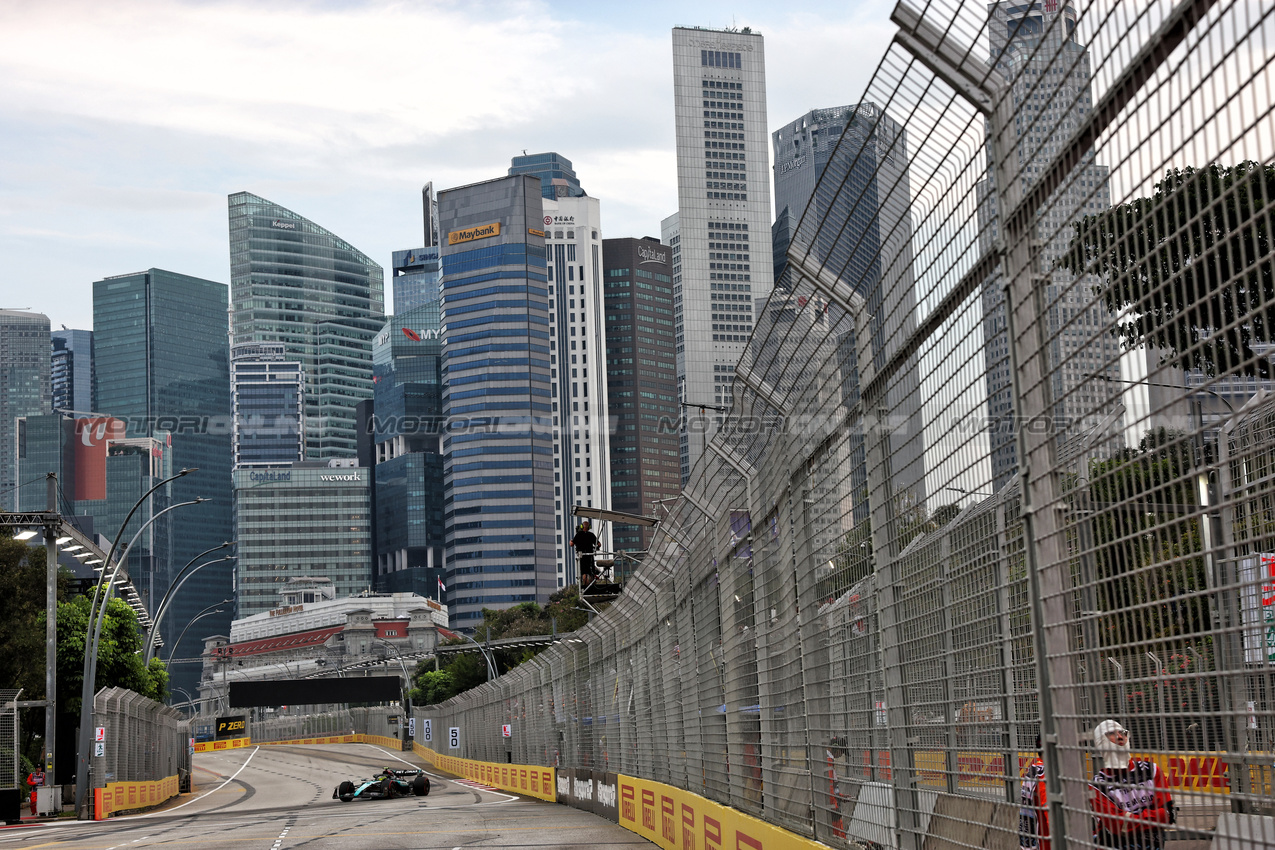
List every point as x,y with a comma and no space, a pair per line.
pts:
1000,464
381,721
137,740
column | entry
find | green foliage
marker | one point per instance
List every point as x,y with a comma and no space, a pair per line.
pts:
22,588
1149,574
468,670
119,661
1189,270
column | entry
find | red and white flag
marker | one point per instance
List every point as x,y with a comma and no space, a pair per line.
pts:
441,586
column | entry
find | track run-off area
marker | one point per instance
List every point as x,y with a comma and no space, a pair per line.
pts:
280,797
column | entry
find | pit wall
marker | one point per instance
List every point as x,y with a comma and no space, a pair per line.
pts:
666,816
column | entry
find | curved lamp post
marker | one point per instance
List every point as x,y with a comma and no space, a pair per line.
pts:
177,582
204,613
407,685
91,647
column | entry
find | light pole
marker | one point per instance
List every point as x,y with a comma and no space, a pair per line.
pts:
407,686
91,646
204,613
178,581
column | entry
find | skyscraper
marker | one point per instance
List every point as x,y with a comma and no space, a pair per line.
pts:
161,365
267,394
72,371
497,397
24,387
295,283
1025,35
557,177
724,217
577,329
842,184
641,381
408,472
416,278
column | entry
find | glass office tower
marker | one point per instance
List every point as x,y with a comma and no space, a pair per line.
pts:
72,371
408,475
295,283
497,398
557,177
24,387
267,391
161,358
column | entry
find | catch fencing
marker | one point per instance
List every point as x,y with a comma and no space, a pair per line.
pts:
373,720
140,741
999,465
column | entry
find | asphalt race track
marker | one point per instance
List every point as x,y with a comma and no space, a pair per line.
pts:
277,798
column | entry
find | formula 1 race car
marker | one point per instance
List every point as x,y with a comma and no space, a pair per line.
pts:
389,783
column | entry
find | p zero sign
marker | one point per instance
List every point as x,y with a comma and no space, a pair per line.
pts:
469,234
232,727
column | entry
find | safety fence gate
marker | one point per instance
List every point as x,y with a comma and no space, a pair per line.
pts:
999,467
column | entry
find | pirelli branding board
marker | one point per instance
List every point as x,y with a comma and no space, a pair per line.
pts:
469,234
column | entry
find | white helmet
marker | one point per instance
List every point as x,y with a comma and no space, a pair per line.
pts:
1114,756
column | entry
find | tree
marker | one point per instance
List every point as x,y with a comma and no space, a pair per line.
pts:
119,662
1189,270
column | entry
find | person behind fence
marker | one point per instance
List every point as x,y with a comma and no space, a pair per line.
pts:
1129,795
836,750
1033,816
586,543
35,779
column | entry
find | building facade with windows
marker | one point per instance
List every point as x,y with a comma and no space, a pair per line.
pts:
161,363
724,214
498,396
267,392
1044,37
578,340
24,388
408,471
417,274
311,519
641,382
71,371
557,178
298,284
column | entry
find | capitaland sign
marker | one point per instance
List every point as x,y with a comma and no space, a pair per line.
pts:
469,234
650,255
283,225
270,475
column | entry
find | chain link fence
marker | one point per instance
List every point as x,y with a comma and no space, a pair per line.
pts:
10,754
999,467
141,740
373,720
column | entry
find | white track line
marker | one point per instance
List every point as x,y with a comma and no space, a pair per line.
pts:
508,797
200,797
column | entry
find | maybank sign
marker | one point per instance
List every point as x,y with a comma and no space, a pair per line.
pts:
469,234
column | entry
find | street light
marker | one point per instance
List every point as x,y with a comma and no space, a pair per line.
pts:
407,686
91,648
204,613
178,581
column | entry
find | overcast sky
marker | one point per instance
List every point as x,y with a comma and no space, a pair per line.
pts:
124,125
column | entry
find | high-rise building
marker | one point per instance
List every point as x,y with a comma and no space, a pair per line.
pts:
577,331
161,365
407,477
295,283
724,216
557,178
842,184
24,388
641,382
417,274
267,394
1029,35
311,520
498,396
71,371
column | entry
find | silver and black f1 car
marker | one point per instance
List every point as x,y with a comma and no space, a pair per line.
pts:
389,783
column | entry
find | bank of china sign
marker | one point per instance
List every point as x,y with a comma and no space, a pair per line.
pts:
469,234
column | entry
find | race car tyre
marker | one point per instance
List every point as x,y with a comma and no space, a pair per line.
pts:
420,786
345,791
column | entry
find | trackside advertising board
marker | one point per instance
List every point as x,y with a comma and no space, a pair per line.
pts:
123,796
525,779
